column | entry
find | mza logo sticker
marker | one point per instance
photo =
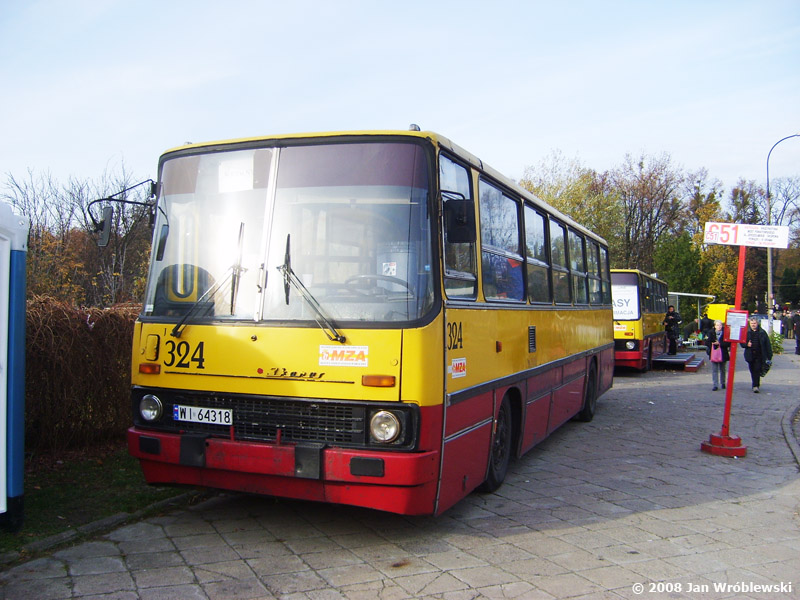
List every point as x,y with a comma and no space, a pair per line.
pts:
458,367
344,356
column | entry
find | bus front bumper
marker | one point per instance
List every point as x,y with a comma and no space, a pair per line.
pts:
628,359
401,482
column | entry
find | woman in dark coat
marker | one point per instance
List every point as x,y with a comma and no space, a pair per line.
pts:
757,351
714,340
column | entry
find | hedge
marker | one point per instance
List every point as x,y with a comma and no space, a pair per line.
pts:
77,375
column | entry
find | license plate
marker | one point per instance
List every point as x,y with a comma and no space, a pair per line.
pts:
196,414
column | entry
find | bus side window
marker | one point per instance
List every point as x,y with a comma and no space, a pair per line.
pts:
577,266
460,268
605,275
558,255
501,256
594,275
537,264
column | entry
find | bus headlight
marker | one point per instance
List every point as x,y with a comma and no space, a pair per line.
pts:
384,427
630,345
150,408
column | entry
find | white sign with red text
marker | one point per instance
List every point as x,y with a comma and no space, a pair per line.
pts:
743,234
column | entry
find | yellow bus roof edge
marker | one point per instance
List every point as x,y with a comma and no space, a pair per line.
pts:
436,138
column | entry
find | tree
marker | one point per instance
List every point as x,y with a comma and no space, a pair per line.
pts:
785,202
677,261
52,261
785,210
649,190
747,203
120,269
583,194
789,287
722,272
717,263
63,259
703,204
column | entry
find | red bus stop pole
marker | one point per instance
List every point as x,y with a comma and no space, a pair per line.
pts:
723,444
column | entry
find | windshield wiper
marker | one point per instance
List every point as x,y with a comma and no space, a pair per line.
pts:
291,278
210,292
233,273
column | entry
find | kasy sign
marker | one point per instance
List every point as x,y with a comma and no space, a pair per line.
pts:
626,305
742,234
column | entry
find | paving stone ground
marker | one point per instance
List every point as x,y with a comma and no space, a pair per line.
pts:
626,506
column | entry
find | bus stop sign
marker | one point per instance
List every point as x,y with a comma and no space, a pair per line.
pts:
744,234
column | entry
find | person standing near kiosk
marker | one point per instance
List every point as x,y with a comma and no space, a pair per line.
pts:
671,322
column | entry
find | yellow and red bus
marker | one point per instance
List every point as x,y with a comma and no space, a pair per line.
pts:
640,302
368,318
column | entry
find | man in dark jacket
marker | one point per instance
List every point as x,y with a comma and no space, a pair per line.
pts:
757,351
671,322
706,325
796,329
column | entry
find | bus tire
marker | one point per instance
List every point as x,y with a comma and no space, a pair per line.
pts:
500,454
589,396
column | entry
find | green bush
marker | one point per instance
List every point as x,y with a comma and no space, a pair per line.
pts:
77,375
776,339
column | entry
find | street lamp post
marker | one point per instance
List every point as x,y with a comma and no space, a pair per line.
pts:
770,297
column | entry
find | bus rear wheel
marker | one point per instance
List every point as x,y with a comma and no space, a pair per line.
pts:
501,449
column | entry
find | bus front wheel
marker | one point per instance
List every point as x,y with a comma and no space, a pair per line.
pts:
501,449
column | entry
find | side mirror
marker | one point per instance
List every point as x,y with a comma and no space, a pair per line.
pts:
105,227
459,221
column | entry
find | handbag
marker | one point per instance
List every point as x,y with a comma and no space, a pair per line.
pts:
716,353
765,367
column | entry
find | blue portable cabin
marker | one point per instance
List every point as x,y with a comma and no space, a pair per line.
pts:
13,251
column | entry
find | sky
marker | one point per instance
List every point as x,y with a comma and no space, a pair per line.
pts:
92,87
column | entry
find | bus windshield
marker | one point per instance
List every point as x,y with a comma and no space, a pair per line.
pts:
351,220
625,292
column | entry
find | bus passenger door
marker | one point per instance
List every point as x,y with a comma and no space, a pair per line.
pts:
468,413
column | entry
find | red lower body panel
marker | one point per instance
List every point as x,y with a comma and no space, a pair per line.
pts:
629,359
396,482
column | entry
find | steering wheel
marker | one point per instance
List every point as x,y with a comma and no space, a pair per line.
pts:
390,279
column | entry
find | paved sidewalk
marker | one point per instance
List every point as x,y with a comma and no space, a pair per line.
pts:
626,506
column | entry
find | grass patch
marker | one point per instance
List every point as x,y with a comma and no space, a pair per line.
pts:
78,488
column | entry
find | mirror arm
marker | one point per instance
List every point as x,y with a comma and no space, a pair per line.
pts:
104,226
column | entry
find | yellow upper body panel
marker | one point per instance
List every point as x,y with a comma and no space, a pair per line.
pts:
649,324
489,343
